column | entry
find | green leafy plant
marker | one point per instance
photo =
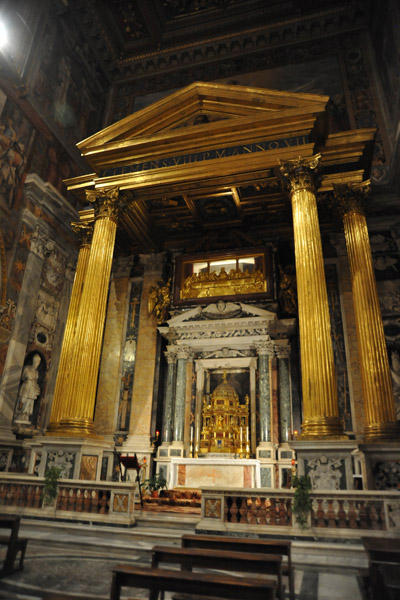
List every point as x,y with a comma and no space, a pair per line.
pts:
302,503
156,483
50,490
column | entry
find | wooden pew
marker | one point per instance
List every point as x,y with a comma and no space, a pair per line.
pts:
241,562
14,545
384,566
237,544
193,584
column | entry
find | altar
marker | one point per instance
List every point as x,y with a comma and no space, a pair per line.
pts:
214,472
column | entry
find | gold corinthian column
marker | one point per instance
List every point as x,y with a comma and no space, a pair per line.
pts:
83,370
380,411
59,408
320,404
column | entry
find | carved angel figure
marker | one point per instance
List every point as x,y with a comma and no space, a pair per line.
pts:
159,300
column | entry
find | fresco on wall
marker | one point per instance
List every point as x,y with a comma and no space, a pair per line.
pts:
68,85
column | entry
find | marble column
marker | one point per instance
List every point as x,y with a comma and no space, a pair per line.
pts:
139,437
265,351
168,414
320,403
180,396
381,423
59,407
285,413
40,247
114,361
82,376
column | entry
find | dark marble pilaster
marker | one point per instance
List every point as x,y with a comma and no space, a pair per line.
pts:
180,396
168,414
265,351
283,355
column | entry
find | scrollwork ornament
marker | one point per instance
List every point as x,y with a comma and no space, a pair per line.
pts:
300,174
350,197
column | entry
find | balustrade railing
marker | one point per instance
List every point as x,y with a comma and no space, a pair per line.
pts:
262,511
92,500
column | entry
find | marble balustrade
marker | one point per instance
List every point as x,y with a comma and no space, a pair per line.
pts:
270,511
100,501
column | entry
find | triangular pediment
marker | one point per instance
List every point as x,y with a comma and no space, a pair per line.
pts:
199,105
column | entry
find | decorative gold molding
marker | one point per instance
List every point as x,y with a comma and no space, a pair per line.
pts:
350,197
300,174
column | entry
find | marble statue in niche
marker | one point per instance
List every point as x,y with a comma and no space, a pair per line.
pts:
29,391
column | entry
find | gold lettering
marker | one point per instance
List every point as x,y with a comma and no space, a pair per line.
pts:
260,147
176,160
155,164
289,141
235,151
164,163
247,149
221,153
273,145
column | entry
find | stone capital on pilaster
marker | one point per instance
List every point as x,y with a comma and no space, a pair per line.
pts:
122,266
185,352
107,202
171,355
350,197
265,348
153,263
300,174
282,351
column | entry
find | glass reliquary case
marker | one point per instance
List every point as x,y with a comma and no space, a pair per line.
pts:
226,275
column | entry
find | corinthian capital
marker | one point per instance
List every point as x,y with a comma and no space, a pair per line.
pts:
107,202
300,174
84,230
350,197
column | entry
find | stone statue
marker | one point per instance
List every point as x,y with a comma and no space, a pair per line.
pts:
325,474
29,390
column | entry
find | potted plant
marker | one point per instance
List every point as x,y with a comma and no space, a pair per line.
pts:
50,490
302,503
155,483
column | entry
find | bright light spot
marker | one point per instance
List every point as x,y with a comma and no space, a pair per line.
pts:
3,35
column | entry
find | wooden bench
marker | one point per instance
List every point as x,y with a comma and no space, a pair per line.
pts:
193,584
384,566
14,545
216,542
240,562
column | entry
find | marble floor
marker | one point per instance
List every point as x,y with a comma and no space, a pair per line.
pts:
78,559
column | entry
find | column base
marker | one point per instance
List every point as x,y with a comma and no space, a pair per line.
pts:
322,428
382,432
327,463
78,458
382,465
73,428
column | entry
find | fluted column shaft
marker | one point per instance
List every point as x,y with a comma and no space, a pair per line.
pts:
380,411
320,402
169,398
60,406
83,372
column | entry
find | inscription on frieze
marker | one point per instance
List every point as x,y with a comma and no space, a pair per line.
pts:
174,161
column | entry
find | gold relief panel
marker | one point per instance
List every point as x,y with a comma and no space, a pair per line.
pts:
228,275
